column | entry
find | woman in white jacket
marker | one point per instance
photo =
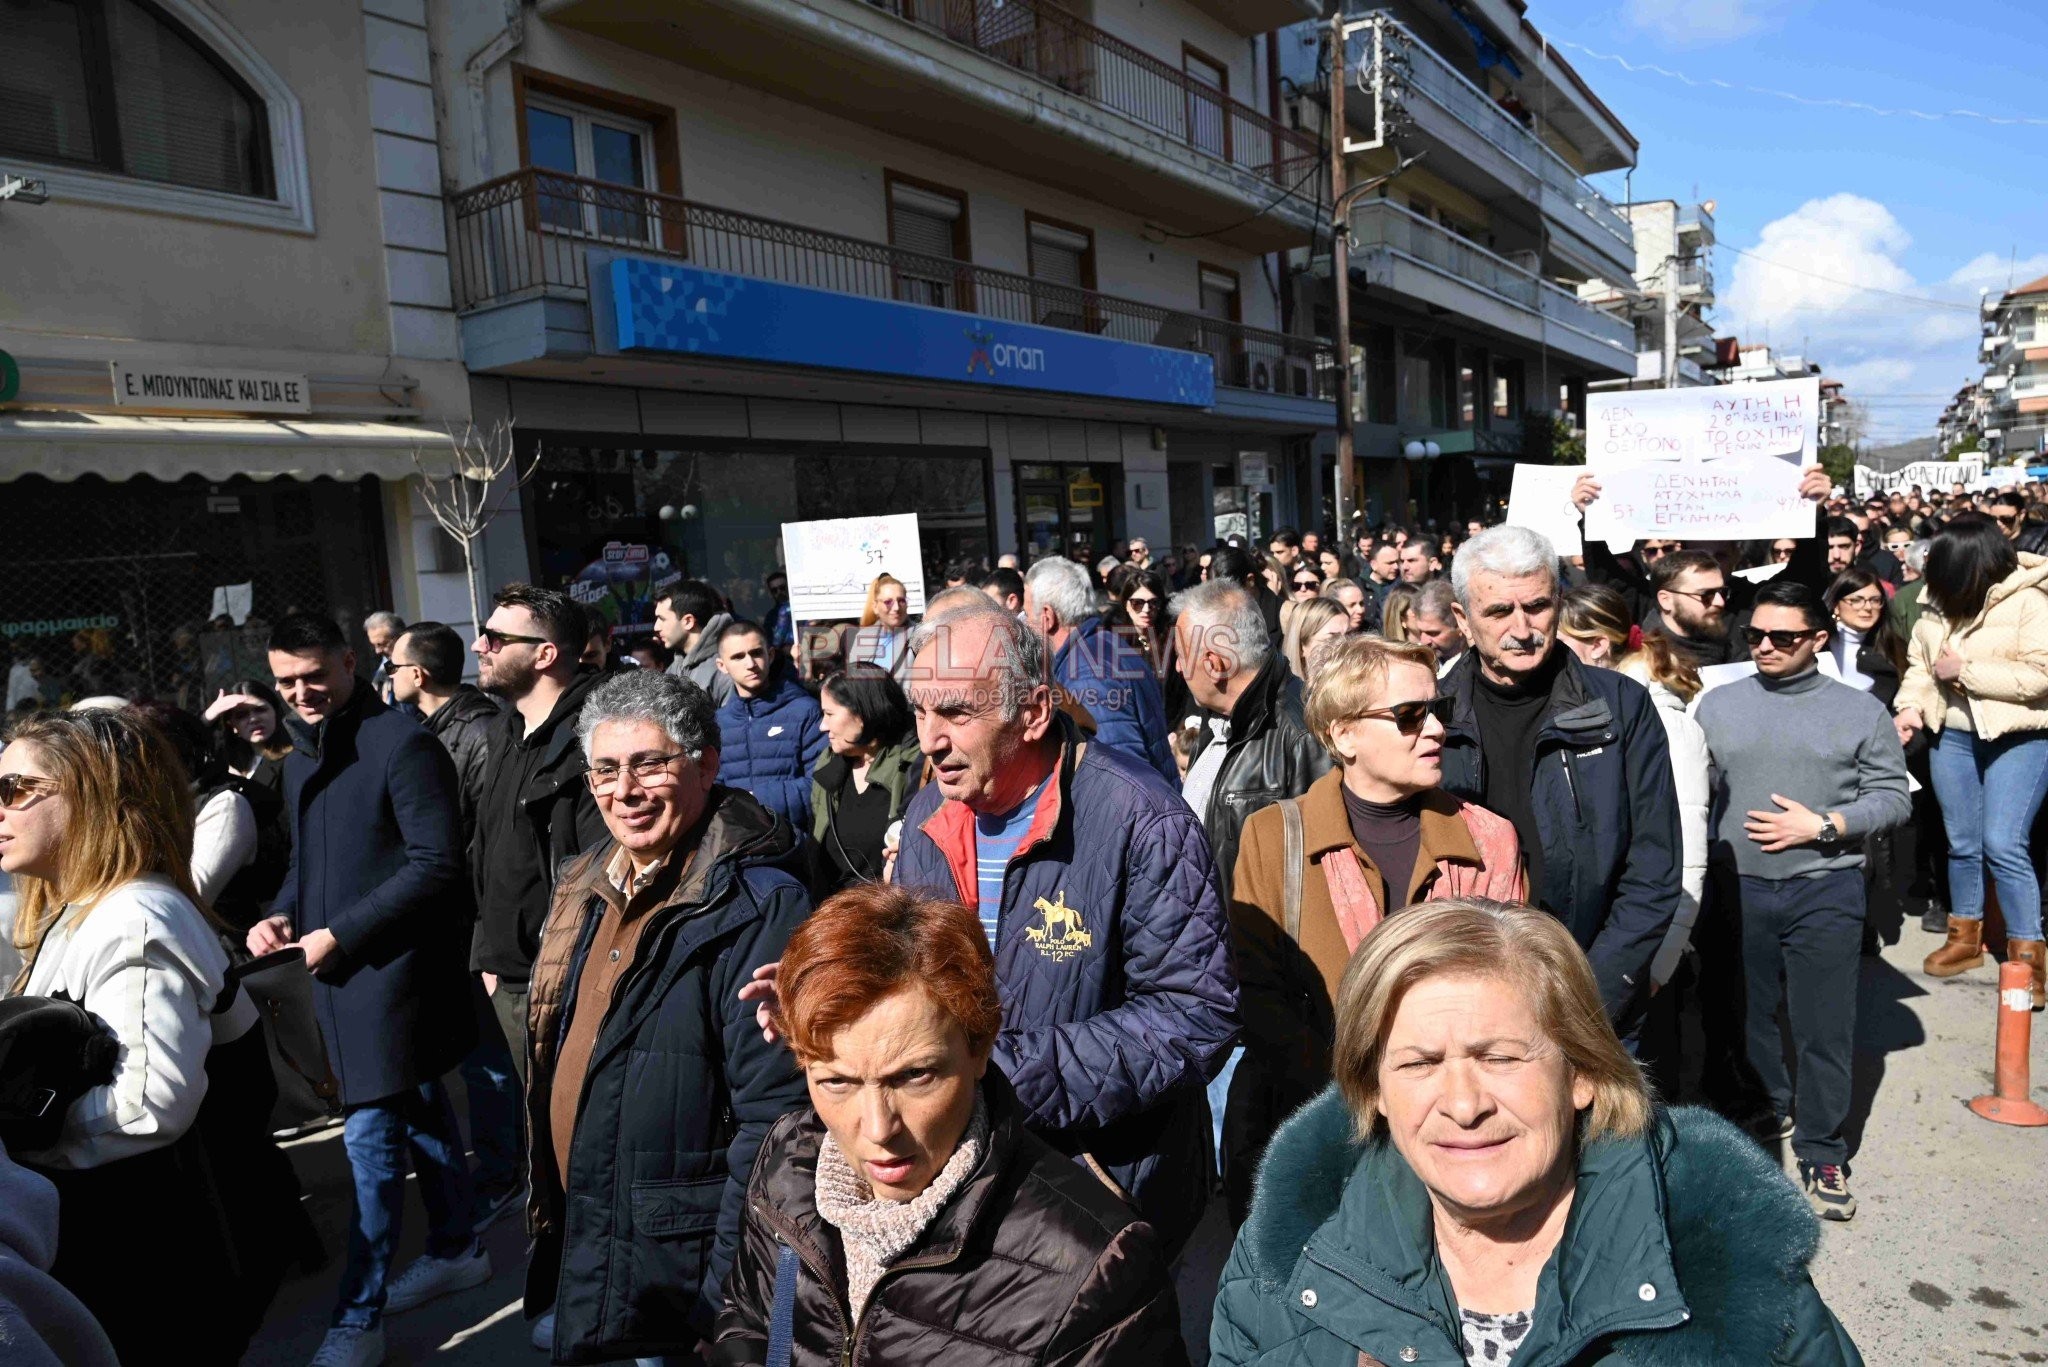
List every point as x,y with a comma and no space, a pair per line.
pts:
96,827
1594,622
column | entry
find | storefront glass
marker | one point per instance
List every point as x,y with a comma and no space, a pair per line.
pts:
619,524
145,588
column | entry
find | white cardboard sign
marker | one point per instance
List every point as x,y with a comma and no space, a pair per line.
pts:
1541,500
831,562
1716,463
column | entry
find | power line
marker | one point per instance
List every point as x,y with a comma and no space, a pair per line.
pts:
1858,106
1850,284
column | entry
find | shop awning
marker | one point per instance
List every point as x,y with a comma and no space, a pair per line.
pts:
63,446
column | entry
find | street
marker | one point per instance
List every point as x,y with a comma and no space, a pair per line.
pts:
1941,1264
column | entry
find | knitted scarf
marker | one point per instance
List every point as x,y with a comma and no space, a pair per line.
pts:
874,1231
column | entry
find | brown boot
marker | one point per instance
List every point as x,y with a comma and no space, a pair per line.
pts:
1961,952
2034,954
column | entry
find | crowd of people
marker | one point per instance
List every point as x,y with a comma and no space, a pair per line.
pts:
913,990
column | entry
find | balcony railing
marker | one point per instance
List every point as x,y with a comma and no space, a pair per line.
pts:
1039,37
529,232
1695,277
1382,223
1448,88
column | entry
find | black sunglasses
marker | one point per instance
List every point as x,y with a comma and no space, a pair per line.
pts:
497,640
1704,595
1780,640
1409,716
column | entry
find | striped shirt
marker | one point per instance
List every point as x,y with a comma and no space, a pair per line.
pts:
995,840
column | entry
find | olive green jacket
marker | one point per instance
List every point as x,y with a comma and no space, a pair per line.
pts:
1685,1248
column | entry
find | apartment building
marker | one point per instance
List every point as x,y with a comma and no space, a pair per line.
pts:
2011,410
1466,266
1667,301
1012,265
224,330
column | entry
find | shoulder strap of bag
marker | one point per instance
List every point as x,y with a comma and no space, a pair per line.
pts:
1292,858
782,1319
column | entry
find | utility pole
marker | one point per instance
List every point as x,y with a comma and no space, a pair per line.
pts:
1340,273
1671,321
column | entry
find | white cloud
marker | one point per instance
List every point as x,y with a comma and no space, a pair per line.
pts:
1827,280
1689,23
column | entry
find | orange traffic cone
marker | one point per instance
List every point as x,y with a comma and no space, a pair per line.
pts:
2013,1103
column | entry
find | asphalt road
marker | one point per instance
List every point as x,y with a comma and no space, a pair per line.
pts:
1946,1261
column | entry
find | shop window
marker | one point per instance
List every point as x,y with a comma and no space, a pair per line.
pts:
928,223
1062,260
121,87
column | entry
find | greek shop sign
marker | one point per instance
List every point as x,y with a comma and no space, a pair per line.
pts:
208,389
58,626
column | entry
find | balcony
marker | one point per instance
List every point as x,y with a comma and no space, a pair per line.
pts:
1695,226
1695,281
1023,83
528,237
1410,256
1450,110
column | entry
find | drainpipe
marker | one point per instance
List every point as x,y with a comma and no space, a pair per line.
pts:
474,72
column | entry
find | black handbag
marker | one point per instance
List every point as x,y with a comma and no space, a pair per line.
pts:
52,1052
282,989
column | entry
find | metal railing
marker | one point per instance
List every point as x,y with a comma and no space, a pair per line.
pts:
1450,90
1383,223
1038,37
1696,276
530,232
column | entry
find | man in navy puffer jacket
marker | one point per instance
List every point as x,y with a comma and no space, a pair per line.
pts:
770,725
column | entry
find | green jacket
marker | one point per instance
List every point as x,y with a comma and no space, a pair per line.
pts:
896,769
1904,609
1687,1248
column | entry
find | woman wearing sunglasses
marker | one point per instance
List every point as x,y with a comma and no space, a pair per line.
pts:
1977,679
1303,585
1376,835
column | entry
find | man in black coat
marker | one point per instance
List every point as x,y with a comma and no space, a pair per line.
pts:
374,897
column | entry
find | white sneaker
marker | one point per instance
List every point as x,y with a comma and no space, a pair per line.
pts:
544,1332
350,1346
430,1277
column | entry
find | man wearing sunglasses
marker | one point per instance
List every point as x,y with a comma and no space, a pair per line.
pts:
1575,757
1805,767
1692,597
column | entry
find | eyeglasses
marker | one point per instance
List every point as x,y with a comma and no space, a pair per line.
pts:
1868,602
1657,550
1310,584
2006,519
1780,640
1782,552
1705,596
495,640
649,771
1408,717
18,790
1142,604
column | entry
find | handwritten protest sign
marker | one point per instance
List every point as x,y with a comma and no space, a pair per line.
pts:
1716,463
830,563
1541,500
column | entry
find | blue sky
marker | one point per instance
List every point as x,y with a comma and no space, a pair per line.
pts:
1931,207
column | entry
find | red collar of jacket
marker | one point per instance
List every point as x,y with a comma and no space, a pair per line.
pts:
951,827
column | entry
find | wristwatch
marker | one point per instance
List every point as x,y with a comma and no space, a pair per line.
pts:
1829,833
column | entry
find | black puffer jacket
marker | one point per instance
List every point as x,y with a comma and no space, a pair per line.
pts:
463,725
1032,1261
1270,756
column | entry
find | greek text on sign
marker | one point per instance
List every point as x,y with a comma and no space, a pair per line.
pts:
831,562
1718,463
210,390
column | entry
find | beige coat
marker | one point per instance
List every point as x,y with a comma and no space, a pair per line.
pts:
2004,682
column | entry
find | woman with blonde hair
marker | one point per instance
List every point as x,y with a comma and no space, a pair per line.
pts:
1490,1179
1314,624
883,636
96,821
1394,611
1370,838
1593,621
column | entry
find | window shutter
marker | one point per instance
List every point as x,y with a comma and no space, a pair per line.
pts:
923,222
182,118
1059,256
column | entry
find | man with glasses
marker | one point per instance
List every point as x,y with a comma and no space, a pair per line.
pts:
374,898
1804,768
535,812
652,1085
1691,594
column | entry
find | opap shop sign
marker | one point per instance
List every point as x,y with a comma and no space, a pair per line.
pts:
210,390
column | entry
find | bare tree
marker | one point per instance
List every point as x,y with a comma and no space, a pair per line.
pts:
482,473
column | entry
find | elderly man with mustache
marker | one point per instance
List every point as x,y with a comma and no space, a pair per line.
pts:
1574,757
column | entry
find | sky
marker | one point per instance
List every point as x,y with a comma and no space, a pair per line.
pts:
1813,201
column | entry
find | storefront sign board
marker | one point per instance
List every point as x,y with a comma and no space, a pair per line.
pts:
210,389
831,562
667,307
1716,463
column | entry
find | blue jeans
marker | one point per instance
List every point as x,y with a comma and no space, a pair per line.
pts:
495,1101
1990,792
415,1129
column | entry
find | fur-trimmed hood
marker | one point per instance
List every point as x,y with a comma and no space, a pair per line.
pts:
1685,1248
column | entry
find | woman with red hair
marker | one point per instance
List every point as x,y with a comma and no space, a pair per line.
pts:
909,1217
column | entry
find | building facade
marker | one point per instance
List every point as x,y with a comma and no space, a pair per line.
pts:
2011,410
1668,300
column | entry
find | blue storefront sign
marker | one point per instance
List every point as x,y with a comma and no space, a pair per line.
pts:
665,307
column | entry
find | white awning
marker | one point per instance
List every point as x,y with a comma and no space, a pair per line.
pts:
63,446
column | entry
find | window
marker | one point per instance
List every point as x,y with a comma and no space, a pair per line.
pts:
1468,388
1208,102
1220,302
593,145
1062,258
1507,388
118,86
929,224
